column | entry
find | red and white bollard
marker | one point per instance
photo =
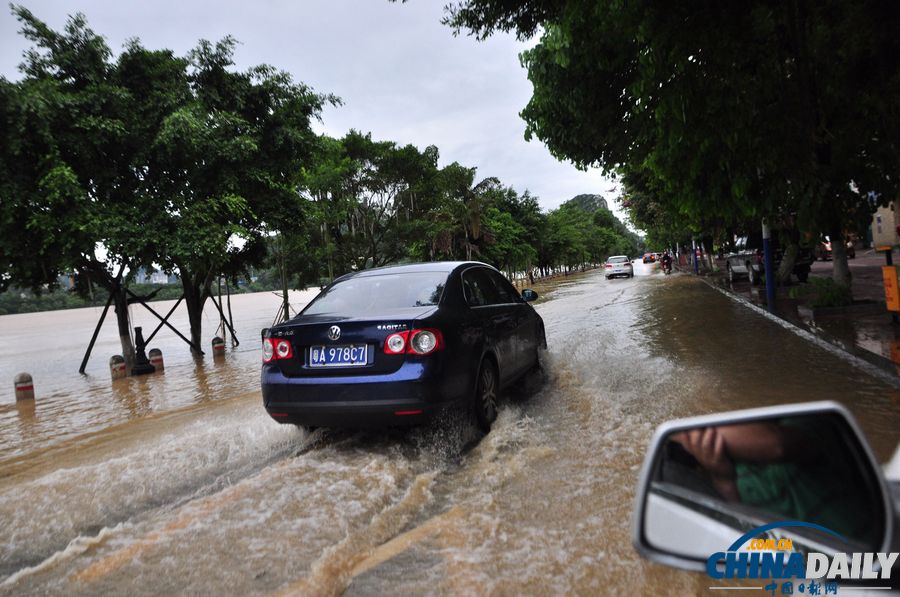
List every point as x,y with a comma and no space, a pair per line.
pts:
24,387
156,359
117,367
218,347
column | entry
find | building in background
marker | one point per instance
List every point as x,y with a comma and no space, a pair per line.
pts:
155,277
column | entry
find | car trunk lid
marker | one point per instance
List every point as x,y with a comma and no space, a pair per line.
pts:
315,342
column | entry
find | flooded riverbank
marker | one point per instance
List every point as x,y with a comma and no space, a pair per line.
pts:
50,347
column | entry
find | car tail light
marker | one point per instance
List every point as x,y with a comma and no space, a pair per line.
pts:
425,341
396,343
275,349
420,342
608,266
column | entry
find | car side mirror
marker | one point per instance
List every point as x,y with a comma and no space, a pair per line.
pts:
529,295
797,478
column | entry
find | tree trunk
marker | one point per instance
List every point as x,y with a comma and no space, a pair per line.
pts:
783,275
96,272
841,273
195,295
120,300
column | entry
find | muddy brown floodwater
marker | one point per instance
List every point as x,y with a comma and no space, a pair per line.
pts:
179,485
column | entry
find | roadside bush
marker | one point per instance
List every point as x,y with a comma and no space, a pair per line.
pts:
823,292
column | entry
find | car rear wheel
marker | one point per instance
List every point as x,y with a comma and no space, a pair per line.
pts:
486,396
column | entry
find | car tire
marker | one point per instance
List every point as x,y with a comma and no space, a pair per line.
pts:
607,277
485,398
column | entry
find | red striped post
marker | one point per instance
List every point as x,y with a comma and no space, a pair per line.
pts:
117,367
218,347
156,359
24,387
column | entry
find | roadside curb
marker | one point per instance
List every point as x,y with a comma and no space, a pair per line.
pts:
871,363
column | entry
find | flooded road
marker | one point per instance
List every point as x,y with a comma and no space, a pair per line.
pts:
198,491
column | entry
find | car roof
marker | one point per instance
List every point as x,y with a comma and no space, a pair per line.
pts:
617,256
408,268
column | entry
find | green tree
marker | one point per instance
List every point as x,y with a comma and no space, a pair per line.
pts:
462,211
110,165
512,223
768,109
368,202
226,164
68,168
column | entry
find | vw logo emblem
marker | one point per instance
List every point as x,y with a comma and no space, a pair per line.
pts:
334,332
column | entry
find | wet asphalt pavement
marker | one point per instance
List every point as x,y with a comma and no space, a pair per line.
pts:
208,495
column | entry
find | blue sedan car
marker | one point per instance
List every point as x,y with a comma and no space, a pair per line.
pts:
398,345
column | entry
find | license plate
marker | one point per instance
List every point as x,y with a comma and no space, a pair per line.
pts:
347,355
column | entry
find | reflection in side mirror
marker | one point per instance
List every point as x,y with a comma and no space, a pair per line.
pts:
805,471
529,295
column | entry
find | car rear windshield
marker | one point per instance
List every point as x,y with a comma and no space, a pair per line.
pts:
618,259
373,294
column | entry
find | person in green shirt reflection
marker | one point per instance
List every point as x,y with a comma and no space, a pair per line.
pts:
796,468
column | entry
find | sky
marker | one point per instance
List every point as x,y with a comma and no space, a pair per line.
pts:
401,75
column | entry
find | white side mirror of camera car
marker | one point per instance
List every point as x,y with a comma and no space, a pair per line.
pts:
708,480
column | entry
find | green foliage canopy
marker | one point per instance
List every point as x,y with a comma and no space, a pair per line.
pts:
725,112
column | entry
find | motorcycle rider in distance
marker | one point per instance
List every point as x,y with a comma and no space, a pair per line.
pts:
666,263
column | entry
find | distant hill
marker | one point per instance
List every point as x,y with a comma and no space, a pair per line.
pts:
588,203
591,203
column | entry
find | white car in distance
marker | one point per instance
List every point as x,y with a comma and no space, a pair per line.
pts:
618,265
